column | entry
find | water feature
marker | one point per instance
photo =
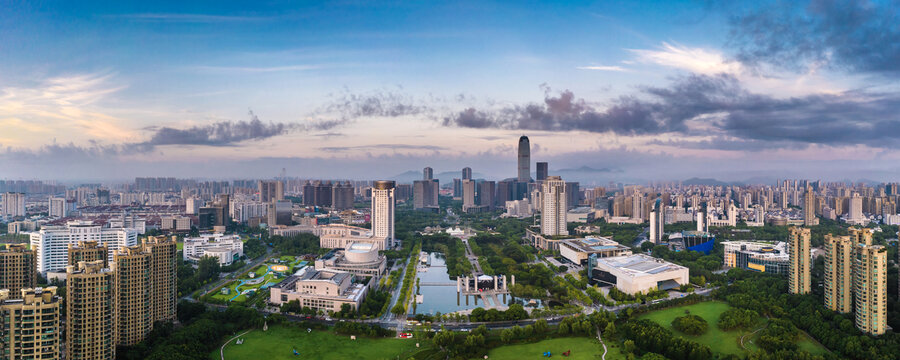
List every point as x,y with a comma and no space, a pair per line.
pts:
441,298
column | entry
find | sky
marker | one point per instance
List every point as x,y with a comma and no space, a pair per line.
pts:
644,90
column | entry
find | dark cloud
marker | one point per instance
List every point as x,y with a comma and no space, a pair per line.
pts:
858,36
720,106
223,133
350,107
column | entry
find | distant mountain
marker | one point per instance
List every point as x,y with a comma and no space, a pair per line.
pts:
586,169
708,182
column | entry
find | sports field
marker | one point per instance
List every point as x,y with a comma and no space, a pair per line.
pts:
279,342
722,342
581,348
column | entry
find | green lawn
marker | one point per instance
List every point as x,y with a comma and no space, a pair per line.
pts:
724,342
280,341
581,347
270,278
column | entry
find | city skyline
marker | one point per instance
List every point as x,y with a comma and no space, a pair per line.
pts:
675,91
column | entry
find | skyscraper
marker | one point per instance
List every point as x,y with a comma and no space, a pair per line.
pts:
809,208
524,160
553,211
870,270
134,312
91,311
657,221
467,173
30,323
57,207
425,194
487,194
541,171
383,211
427,173
163,273
271,190
17,269
342,196
839,273
798,243
468,195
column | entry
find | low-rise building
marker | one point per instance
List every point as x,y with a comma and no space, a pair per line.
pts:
360,259
636,273
768,257
578,250
325,290
580,214
340,236
226,248
175,223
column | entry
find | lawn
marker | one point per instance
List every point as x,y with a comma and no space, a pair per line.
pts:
581,347
723,342
280,341
269,279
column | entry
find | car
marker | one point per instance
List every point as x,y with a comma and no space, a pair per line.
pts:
405,335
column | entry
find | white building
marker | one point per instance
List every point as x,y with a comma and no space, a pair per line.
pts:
226,248
383,211
340,236
553,211
637,273
324,290
52,242
57,207
360,259
518,208
243,211
657,222
578,250
13,205
192,206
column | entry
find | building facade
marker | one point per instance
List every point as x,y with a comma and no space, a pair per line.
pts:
17,269
839,273
870,269
324,290
383,211
51,243
91,312
798,250
553,211
88,251
226,248
134,316
30,323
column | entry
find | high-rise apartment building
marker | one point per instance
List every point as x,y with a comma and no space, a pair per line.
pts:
57,207
163,274
52,242
30,323
809,208
192,206
541,171
91,312
553,211
271,190
855,211
17,269
383,211
88,251
134,314
798,250
870,270
12,205
342,196
839,273
524,158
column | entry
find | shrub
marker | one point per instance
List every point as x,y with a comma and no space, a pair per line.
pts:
690,324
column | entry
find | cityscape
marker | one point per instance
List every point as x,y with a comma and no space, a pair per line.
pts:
324,181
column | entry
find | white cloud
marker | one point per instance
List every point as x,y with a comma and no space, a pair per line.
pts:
698,60
602,68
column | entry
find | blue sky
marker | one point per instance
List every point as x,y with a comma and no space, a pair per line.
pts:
116,90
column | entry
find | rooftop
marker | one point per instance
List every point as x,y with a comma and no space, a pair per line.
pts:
639,265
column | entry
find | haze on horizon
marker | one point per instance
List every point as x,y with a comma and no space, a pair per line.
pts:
649,90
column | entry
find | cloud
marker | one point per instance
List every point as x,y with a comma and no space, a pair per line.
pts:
696,60
703,105
349,107
256,70
856,36
602,68
383,147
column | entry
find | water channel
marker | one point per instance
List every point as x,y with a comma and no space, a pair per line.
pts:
442,298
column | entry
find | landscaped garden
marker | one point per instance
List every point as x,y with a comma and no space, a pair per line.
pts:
264,276
280,342
579,347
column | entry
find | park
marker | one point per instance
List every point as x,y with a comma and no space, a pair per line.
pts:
263,277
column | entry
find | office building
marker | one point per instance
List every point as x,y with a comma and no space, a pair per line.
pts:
427,173
839,273
457,189
175,223
30,323
325,290
766,257
225,248
383,211
798,249
17,269
192,206
279,213
573,195
870,285
578,250
271,190
340,236
88,251
468,195
467,173
541,171
342,196
553,210
52,242
13,205
486,194
57,207
425,194
524,160
657,222
134,314
91,312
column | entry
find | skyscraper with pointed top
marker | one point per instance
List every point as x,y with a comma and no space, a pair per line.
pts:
524,160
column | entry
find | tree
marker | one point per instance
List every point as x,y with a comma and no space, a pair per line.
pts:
629,346
506,335
690,324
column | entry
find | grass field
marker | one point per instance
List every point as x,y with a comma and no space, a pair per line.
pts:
280,341
581,347
723,342
270,278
